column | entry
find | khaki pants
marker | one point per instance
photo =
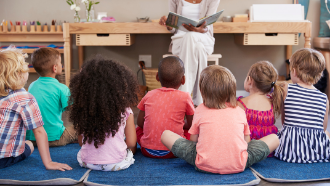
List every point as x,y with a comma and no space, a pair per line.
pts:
69,135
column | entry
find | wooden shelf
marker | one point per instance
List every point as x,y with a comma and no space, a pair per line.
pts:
31,33
30,51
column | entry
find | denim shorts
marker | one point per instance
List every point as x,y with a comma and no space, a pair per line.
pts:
186,150
6,162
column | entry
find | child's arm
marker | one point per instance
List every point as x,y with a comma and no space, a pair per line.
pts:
194,137
42,142
130,133
285,86
247,138
140,119
80,140
187,125
325,122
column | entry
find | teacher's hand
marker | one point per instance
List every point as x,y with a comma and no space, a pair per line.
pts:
200,29
162,22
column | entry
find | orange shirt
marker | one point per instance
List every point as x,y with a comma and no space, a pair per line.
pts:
165,109
221,147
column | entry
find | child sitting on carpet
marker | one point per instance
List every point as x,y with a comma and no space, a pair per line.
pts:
220,136
260,108
52,97
304,137
101,97
19,112
164,109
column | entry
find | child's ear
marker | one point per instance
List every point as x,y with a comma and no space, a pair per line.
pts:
54,69
183,80
157,78
293,72
249,80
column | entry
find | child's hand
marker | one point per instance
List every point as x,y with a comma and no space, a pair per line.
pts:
57,166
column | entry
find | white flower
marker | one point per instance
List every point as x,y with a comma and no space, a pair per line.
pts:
73,6
77,9
84,1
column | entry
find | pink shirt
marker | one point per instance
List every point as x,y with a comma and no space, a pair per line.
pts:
165,109
112,151
221,147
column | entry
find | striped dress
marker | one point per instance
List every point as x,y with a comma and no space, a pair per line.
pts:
302,138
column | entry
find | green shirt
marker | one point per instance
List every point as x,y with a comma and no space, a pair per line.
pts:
52,97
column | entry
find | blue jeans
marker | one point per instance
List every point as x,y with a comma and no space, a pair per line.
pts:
6,162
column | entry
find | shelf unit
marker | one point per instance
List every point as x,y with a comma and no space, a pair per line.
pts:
35,37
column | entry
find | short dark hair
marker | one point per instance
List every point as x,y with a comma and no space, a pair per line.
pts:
170,71
43,59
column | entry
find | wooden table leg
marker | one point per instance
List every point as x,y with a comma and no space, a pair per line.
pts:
67,54
308,35
80,56
288,56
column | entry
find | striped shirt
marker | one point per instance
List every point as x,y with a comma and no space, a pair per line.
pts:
302,138
19,112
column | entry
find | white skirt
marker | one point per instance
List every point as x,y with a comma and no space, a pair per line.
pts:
193,48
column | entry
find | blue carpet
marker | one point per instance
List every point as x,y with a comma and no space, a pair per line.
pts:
32,168
274,168
148,171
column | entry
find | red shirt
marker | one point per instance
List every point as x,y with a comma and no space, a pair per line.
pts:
165,109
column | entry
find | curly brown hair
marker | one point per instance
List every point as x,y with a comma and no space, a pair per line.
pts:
100,93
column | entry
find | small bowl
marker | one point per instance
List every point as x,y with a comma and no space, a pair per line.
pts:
142,20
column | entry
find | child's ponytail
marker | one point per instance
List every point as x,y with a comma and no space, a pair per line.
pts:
277,99
265,76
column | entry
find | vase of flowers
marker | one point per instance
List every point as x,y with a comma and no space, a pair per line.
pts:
74,6
89,9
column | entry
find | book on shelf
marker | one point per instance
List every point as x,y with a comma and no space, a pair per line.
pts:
175,20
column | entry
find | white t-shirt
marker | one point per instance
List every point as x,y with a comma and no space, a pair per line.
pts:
191,11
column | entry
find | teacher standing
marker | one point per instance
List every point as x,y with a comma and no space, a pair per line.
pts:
192,44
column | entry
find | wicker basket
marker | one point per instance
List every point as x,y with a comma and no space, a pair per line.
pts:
151,81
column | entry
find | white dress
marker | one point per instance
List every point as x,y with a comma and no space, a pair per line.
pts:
193,49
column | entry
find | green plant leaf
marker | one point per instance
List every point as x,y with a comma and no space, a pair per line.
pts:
97,3
90,5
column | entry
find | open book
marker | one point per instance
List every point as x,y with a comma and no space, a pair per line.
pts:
175,20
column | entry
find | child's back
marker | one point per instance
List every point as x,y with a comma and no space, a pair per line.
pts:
303,137
164,109
221,146
114,146
52,97
261,106
101,113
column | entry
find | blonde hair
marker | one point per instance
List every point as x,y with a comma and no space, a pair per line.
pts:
264,75
308,64
12,65
218,87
